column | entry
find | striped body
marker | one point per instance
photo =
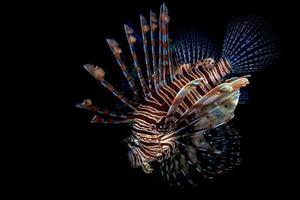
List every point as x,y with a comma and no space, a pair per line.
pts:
154,144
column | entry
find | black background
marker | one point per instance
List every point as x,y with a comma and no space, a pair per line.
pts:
85,160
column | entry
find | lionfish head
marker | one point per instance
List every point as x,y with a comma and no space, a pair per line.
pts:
135,156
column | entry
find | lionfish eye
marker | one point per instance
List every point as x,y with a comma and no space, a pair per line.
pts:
153,127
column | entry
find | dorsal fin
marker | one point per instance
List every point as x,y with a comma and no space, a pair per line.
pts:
98,119
145,29
131,40
165,19
163,51
192,47
98,73
116,50
153,28
87,104
160,68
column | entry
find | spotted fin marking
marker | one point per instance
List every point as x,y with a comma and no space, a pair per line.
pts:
145,28
88,105
98,119
153,30
98,73
165,19
116,50
131,40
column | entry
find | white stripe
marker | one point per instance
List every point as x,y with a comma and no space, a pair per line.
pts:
146,115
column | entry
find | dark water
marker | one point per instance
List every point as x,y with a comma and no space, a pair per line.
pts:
89,160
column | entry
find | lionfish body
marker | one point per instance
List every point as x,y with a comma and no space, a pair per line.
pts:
181,121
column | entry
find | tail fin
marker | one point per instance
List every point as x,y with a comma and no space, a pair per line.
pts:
249,45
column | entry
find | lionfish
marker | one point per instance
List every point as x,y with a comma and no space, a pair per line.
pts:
183,94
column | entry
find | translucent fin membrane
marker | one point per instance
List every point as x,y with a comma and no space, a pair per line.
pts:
213,109
202,155
164,44
153,28
98,119
157,74
131,40
177,101
192,47
145,28
98,73
116,50
249,45
88,105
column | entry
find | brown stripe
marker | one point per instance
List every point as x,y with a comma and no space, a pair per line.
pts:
151,112
145,151
142,131
144,118
210,82
200,91
219,71
160,99
166,92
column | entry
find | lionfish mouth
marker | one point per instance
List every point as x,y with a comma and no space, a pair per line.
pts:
132,160
147,168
